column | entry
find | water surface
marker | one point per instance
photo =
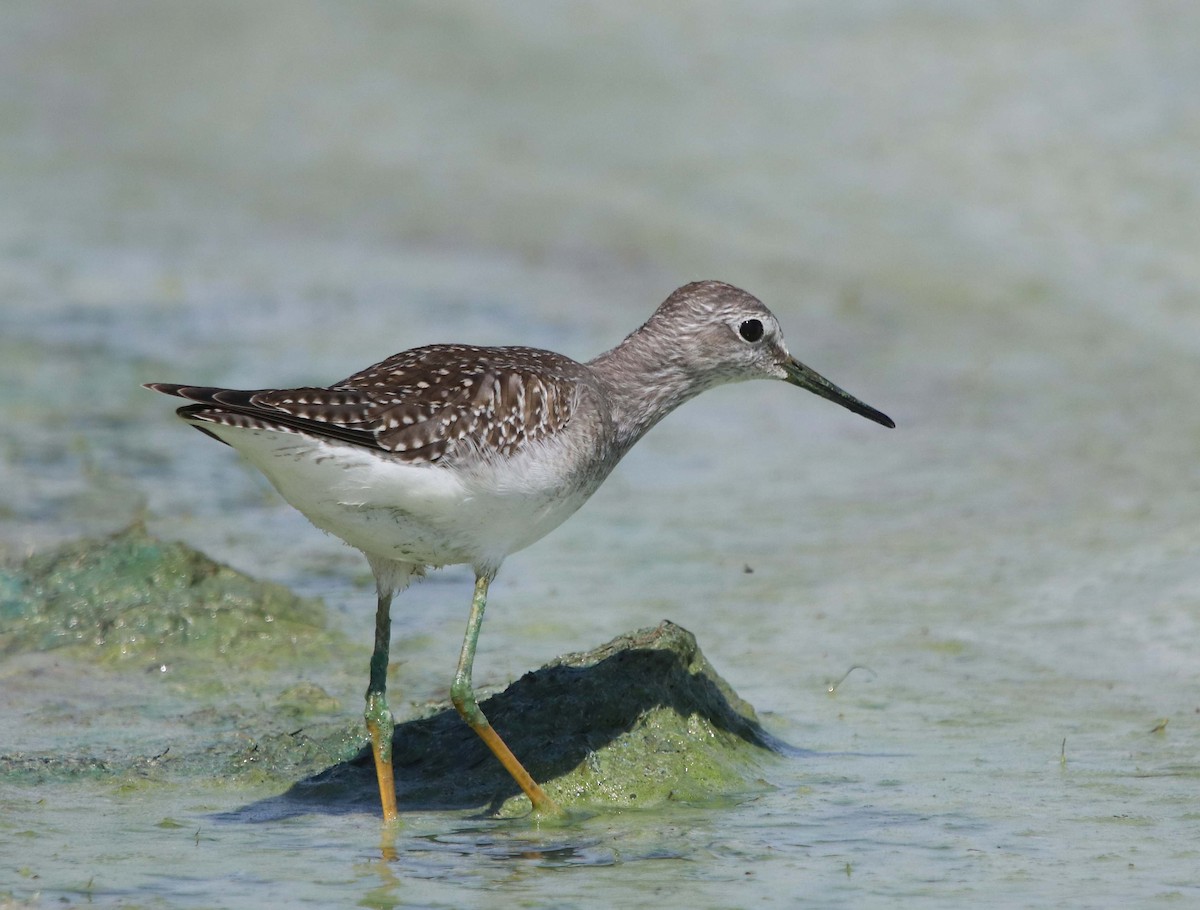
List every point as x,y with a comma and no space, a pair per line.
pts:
980,220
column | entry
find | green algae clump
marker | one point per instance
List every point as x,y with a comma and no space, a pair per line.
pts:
642,720
132,597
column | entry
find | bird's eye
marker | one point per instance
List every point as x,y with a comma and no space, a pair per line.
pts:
751,330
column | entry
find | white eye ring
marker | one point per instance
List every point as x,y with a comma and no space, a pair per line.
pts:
751,330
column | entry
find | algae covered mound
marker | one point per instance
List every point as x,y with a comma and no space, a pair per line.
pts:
133,597
640,720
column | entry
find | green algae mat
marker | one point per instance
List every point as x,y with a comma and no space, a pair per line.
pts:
131,597
639,721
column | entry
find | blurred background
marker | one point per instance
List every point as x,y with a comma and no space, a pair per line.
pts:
979,218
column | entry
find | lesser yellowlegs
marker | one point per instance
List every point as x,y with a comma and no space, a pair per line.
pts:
451,454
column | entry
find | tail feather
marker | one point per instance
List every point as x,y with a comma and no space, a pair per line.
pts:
237,408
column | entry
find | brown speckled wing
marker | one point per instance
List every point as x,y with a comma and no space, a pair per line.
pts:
419,405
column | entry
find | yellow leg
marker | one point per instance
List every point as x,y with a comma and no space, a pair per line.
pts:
380,731
463,696
380,723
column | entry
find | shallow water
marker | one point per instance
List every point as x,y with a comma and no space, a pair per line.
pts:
980,220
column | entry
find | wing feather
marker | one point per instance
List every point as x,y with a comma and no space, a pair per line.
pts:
419,406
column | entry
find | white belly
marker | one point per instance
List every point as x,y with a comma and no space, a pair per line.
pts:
424,515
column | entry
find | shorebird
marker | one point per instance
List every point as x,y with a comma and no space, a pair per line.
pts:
452,454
